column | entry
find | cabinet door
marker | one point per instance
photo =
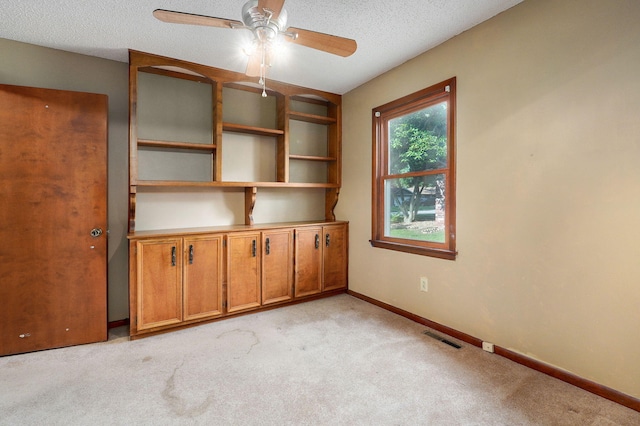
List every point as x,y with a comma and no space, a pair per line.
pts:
308,264
243,280
159,283
277,266
335,257
202,278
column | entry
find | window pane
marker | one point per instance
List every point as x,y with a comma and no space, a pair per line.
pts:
418,141
414,208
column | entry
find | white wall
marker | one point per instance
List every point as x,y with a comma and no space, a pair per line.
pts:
548,189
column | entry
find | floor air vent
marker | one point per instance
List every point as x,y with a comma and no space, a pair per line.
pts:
440,338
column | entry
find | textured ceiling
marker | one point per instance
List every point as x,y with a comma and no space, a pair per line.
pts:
388,32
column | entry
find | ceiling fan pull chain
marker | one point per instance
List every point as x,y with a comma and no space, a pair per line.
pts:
263,71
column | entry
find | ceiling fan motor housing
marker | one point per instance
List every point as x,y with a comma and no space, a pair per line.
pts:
265,26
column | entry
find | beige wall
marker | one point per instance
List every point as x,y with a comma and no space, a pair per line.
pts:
28,65
548,182
548,189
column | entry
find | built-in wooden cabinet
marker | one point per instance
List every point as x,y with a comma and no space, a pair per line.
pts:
321,259
260,268
243,277
334,275
198,129
175,280
277,266
308,275
185,276
158,283
202,277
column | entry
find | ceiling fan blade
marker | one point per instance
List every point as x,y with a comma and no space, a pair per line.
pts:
192,19
254,64
326,42
274,6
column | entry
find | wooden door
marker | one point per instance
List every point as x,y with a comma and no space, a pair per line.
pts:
335,257
53,182
243,271
159,283
277,266
202,277
308,265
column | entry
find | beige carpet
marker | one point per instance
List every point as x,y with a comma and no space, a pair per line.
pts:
336,361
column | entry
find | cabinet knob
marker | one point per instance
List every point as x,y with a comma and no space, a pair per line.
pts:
253,248
317,241
267,248
191,254
173,256
327,240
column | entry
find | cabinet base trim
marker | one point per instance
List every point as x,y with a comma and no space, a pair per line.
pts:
118,323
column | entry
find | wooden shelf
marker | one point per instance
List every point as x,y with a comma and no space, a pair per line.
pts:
164,233
199,112
175,145
311,118
311,158
190,184
252,130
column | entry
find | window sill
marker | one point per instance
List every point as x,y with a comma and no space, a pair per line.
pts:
422,251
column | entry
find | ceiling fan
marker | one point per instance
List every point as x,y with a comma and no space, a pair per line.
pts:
267,20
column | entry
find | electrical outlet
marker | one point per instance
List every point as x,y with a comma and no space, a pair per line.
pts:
487,346
424,284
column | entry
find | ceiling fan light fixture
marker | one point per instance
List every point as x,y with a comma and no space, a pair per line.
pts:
267,21
251,47
266,27
265,34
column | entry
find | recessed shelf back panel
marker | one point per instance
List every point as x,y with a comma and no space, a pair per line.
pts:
189,209
174,109
307,171
313,107
248,158
248,108
307,139
179,165
274,205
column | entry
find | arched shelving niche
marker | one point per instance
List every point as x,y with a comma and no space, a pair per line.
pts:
198,128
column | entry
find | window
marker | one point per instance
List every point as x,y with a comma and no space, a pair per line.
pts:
413,206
